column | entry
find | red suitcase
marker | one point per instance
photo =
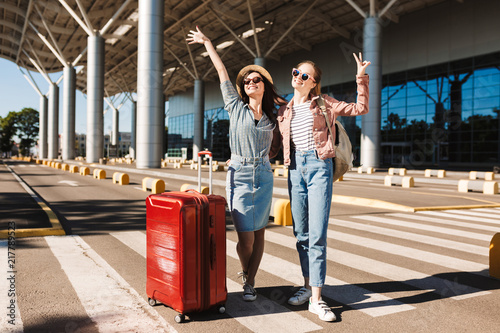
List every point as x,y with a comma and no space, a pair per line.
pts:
186,251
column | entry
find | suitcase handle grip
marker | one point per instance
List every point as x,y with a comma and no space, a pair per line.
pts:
212,252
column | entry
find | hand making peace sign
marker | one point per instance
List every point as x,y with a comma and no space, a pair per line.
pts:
361,64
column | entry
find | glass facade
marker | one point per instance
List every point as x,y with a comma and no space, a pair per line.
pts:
446,115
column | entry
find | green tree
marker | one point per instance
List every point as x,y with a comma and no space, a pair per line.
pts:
27,126
7,131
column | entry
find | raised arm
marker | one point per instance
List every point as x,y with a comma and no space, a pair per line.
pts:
197,37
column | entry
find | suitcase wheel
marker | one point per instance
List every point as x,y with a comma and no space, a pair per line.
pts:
151,301
179,318
222,308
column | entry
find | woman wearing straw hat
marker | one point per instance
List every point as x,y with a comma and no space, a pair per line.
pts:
249,183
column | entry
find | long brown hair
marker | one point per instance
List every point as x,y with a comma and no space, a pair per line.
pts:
270,98
317,77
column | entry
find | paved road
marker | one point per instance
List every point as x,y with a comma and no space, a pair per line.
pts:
388,270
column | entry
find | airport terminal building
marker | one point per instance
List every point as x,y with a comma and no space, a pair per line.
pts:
440,94
434,77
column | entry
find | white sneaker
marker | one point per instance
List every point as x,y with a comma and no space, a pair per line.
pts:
300,297
249,293
322,310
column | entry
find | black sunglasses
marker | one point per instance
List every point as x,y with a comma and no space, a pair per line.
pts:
254,80
304,76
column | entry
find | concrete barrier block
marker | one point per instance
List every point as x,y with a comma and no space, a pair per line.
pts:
368,170
397,171
73,169
57,165
65,167
495,256
490,187
154,185
217,167
84,171
99,174
281,172
177,165
282,212
341,178
484,186
185,187
164,164
481,175
120,178
404,181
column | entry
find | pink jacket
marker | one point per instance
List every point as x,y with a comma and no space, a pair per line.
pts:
320,129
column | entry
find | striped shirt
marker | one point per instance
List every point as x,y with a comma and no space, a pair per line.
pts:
301,127
246,138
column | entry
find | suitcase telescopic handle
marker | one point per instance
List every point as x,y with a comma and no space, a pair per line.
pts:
200,154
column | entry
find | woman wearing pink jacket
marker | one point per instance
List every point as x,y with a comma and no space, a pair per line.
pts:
308,152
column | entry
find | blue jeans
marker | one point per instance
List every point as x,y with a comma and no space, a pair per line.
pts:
310,191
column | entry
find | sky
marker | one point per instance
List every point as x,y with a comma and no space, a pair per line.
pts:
16,93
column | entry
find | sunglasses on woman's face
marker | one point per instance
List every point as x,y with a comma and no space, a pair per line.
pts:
254,80
303,76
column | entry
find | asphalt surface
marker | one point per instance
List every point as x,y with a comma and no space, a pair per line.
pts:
400,259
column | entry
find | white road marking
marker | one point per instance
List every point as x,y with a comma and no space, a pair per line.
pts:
411,236
412,253
423,281
107,298
366,301
447,222
425,227
263,315
461,217
69,182
474,212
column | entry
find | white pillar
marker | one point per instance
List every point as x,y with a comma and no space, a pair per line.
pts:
68,135
370,130
199,113
150,101
43,127
53,123
95,98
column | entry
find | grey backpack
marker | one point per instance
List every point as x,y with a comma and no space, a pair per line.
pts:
341,144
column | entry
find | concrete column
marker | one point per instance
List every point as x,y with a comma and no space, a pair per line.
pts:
260,61
199,113
150,104
95,98
115,132
370,131
53,122
68,135
133,132
42,143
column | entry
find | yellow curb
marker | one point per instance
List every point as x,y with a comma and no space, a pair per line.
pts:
56,230
370,202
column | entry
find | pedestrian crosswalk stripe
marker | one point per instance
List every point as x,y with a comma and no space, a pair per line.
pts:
264,315
489,210
412,253
449,222
424,239
107,298
251,316
389,271
135,240
366,301
461,217
473,212
10,317
424,227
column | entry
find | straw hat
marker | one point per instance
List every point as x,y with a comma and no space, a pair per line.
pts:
252,68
